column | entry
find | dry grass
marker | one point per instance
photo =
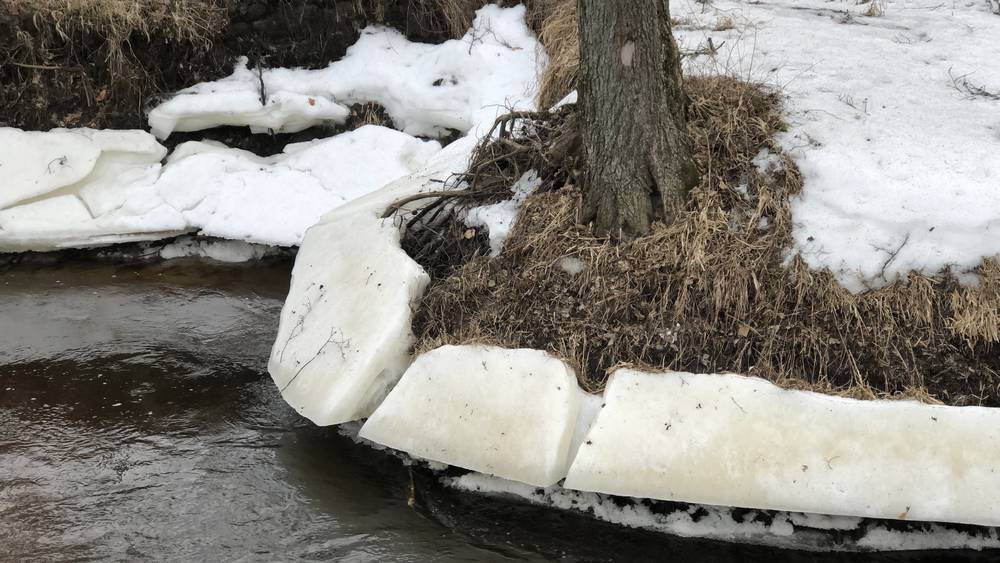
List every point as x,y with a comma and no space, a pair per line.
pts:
370,113
724,24
556,25
60,59
111,26
450,18
712,292
875,9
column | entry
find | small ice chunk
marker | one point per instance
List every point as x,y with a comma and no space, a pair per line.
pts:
229,251
498,218
571,265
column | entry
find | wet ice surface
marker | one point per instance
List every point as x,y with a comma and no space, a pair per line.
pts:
137,423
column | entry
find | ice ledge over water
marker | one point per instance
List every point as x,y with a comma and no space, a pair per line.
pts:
83,187
510,413
723,440
737,441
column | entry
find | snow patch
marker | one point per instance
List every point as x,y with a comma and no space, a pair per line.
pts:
426,89
571,265
498,218
570,98
510,413
899,163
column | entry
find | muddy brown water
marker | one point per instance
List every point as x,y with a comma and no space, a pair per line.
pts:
138,423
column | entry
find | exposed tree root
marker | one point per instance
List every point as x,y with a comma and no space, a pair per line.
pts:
711,292
517,142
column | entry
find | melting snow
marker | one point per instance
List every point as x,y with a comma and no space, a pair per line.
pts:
427,89
891,124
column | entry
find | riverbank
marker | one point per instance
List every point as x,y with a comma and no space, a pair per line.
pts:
222,469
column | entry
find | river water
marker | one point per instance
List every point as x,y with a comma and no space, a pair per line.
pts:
138,423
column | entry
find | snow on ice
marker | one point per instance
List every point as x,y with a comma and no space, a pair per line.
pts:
100,193
498,218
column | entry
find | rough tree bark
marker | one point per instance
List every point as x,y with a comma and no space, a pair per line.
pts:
634,128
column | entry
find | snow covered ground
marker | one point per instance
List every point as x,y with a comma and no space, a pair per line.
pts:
894,123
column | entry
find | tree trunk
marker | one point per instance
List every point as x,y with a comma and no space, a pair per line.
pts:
634,127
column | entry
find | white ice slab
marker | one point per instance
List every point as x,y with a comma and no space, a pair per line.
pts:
735,441
237,100
509,413
344,337
237,195
34,163
204,187
353,283
427,89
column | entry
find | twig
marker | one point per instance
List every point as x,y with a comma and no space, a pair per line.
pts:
260,79
893,254
395,206
962,84
48,67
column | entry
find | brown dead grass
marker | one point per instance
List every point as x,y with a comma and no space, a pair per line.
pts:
556,25
436,17
74,63
712,292
100,63
111,25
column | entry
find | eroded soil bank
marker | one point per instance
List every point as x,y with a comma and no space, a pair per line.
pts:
101,64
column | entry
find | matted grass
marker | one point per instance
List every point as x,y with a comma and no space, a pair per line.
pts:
557,28
713,291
